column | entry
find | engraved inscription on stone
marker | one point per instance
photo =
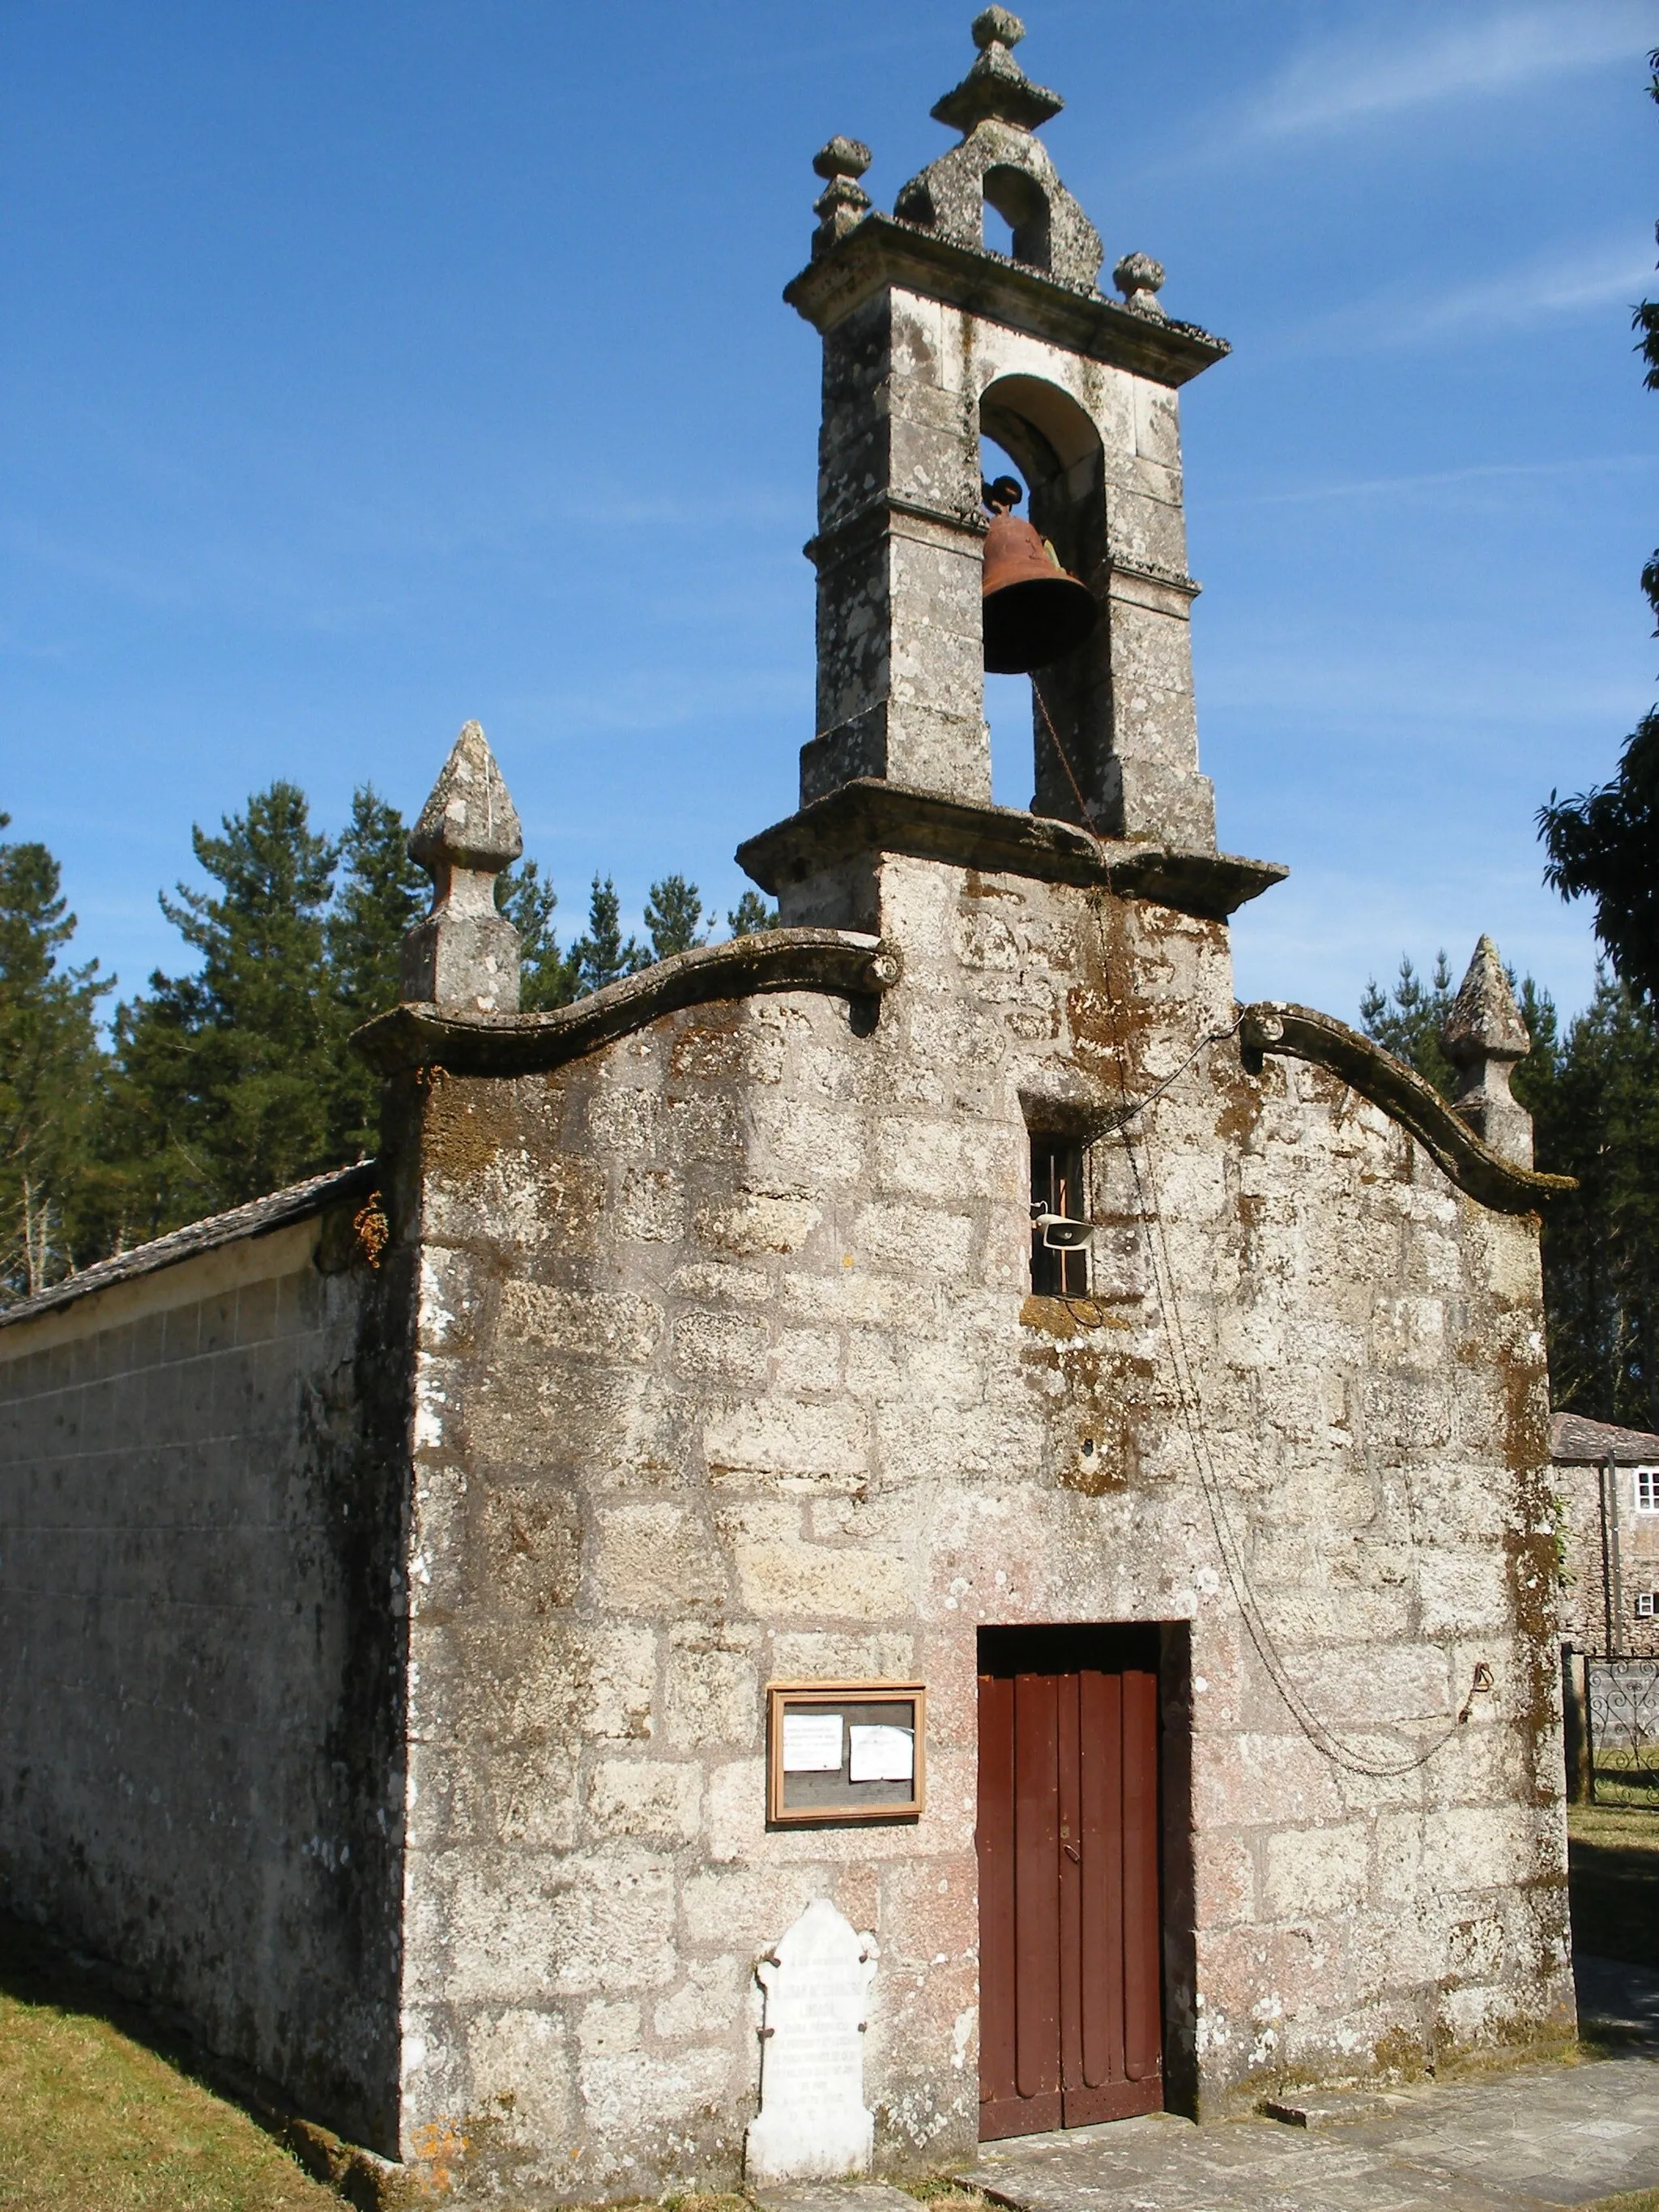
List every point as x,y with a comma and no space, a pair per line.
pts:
812,2124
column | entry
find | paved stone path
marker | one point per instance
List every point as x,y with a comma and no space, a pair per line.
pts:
1545,2136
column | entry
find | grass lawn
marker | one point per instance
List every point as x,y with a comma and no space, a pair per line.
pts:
1614,1855
92,2121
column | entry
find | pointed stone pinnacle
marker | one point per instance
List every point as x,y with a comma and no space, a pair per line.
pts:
463,955
1482,1037
1484,1023
469,821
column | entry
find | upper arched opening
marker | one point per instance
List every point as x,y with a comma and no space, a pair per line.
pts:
1020,200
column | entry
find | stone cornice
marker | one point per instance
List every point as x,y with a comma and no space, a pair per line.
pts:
1153,572
843,961
870,520
870,815
1301,1034
882,250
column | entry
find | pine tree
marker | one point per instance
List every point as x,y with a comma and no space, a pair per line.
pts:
602,956
50,1065
1594,1097
547,975
674,916
1407,1020
226,1078
751,915
381,893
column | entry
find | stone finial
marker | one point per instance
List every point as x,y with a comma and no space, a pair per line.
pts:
1482,1037
844,202
1141,279
997,27
463,955
996,87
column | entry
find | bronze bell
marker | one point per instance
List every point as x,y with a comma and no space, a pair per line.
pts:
1034,611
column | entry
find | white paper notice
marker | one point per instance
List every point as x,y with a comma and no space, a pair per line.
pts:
882,1754
812,1743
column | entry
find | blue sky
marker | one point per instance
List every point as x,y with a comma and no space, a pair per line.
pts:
366,367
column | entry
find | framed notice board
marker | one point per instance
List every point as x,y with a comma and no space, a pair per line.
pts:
845,1751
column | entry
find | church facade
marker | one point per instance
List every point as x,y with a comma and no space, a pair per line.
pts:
926,1447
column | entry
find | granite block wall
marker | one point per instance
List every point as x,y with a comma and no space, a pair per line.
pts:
200,1546
728,1371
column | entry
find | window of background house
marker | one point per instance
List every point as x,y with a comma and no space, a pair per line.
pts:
1057,1188
1647,1489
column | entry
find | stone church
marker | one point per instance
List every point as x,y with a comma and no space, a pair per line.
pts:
911,1528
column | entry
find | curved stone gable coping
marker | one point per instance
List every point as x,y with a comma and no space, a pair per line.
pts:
1299,1033
843,961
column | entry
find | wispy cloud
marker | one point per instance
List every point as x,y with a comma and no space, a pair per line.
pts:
1485,51
1434,480
1569,280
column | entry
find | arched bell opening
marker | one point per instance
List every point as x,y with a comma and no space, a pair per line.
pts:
1021,202
1056,450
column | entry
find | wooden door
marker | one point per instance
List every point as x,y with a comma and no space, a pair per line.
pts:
1071,2012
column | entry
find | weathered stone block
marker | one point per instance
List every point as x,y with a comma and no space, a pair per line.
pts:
529,1546
757,1221
712,1687
650,1553
832,1583
654,1798
712,2001
582,1324
722,1346
797,1444
1311,1873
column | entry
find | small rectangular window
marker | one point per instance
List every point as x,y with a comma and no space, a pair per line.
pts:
1647,1489
1057,1188
1644,1605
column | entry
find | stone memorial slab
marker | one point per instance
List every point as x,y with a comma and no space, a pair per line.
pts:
812,2124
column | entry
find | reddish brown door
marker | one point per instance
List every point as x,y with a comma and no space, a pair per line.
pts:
1071,2017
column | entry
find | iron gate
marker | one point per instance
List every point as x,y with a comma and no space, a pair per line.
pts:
1623,1729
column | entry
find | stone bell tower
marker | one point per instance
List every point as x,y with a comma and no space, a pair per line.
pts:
931,337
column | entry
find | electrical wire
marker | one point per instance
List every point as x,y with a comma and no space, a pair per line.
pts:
1322,1735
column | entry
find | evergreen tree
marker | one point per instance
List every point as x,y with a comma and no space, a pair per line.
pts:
1604,845
1594,1097
602,956
381,893
751,915
226,1077
49,1065
1407,1020
674,916
547,976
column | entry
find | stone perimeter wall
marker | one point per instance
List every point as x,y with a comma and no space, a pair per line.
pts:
200,1539
727,1372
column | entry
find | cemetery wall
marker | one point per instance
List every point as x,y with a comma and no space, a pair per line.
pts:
200,1535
